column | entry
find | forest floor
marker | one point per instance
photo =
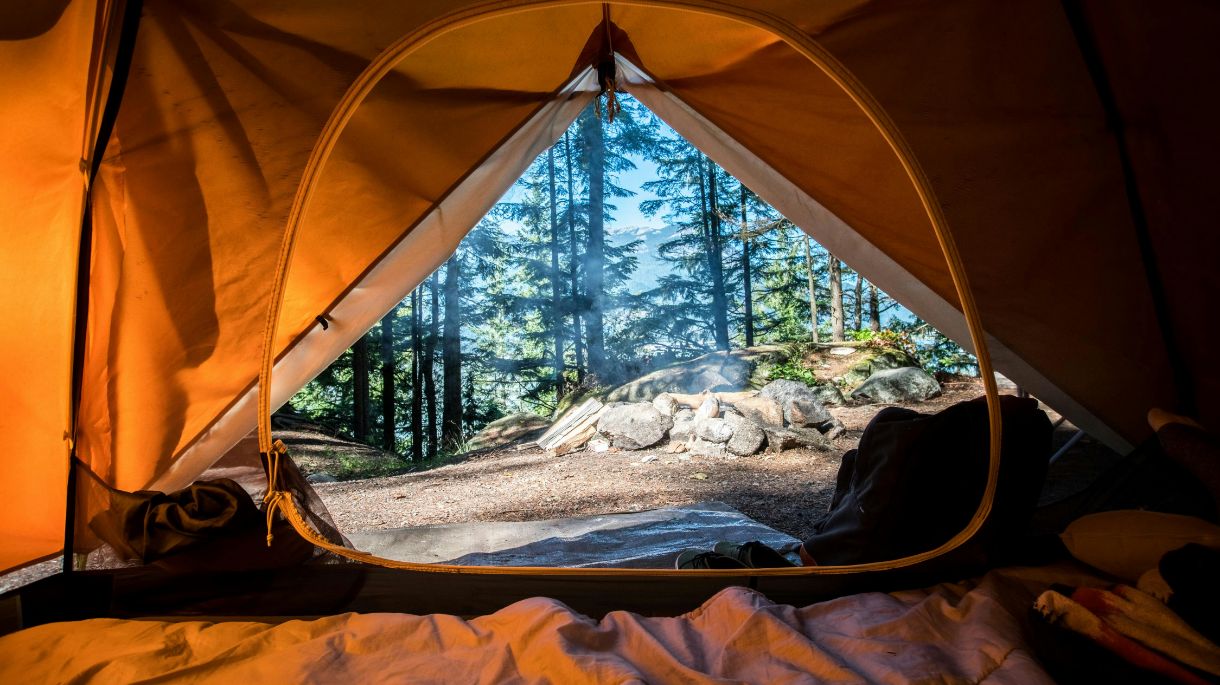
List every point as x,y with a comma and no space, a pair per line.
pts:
789,491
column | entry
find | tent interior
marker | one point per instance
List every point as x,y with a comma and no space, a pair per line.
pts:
207,203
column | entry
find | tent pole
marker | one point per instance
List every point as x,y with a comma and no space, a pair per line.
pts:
114,97
1086,41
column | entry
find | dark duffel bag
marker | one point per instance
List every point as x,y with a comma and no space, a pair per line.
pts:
916,480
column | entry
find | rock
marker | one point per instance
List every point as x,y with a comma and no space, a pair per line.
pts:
810,413
665,404
761,410
842,351
715,371
897,385
781,390
779,440
835,429
713,430
748,437
791,437
598,445
703,448
806,413
828,393
710,408
648,458
676,448
877,360
321,477
683,427
633,426
699,475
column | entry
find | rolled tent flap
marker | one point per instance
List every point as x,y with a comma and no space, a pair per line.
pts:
225,104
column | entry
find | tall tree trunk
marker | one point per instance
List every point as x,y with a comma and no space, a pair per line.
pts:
556,289
813,293
715,260
595,248
417,395
859,310
578,343
451,357
748,294
836,299
430,359
874,309
360,389
387,383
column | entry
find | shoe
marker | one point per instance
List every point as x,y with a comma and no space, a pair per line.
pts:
752,554
695,559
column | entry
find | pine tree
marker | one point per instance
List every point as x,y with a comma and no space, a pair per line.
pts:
874,309
429,358
451,356
858,309
595,245
388,441
417,398
360,389
836,299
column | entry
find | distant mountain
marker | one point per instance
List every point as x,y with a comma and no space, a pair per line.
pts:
651,266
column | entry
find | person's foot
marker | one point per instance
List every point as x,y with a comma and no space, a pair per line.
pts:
695,559
752,554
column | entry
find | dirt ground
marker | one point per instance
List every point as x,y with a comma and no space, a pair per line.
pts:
789,491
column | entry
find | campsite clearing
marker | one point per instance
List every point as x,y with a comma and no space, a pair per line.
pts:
788,491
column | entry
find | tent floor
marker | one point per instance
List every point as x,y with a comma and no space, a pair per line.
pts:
642,539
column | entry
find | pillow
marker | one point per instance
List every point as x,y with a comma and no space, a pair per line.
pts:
1128,543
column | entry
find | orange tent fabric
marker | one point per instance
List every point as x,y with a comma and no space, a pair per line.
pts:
226,103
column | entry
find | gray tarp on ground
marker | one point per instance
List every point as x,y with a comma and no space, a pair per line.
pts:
645,539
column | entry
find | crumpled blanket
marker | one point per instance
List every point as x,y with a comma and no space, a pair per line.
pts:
951,633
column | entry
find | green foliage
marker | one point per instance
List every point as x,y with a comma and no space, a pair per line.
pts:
793,370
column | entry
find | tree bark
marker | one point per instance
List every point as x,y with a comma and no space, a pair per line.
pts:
859,309
417,395
595,247
360,389
874,308
748,295
430,360
451,357
836,299
715,262
556,291
388,441
813,296
578,344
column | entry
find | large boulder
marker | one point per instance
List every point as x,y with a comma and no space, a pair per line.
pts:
509,429
717,371
875,360
785,392
633,426
748,437
894,386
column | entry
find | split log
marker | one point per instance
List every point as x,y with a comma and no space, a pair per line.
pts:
573,430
